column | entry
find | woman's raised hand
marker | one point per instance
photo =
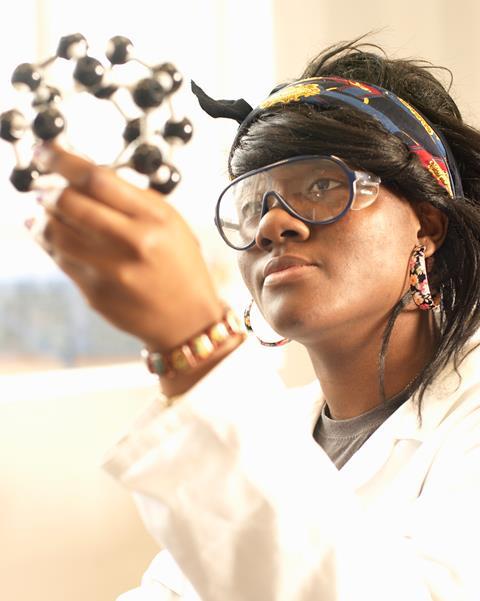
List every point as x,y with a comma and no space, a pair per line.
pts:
129,251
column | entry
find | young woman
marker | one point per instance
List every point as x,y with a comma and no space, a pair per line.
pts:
354,207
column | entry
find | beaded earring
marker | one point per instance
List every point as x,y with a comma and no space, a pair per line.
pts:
419,287
248,325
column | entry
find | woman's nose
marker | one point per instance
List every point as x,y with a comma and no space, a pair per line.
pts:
277,225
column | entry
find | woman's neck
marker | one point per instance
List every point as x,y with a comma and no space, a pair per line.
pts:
348,367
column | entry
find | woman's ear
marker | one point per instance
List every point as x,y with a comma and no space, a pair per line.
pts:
433,227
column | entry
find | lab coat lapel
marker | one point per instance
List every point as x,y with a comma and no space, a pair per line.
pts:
395,442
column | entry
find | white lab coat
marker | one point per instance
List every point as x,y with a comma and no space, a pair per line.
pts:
232,483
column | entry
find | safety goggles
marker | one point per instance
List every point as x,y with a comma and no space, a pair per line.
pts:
317,190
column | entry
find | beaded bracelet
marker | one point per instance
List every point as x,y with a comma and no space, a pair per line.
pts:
195,350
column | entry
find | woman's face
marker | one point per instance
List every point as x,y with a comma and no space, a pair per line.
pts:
318,281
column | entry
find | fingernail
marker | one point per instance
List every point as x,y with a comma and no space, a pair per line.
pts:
28,223
43,157
37,231
38,226
48,198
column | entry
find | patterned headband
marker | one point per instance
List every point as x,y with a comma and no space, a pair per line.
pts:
397,117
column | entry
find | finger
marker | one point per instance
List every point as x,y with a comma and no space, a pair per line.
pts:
36,229
85,216
75,271
64,241
100,183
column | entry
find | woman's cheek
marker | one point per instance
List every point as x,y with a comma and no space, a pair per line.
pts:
245,266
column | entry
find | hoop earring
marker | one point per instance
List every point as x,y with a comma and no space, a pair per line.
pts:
248,325
419,287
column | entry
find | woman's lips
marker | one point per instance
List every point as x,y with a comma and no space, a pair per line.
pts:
286,268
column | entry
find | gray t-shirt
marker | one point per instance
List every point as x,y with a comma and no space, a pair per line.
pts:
341,438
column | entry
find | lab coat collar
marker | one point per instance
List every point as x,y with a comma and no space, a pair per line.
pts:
451,391
447,394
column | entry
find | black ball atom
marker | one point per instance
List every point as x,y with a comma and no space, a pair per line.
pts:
178,130
148,93
166,179
48,124
28,75
13,125
132,130
174,76
22,179
119,50
72,46
89,72
104,92
146,159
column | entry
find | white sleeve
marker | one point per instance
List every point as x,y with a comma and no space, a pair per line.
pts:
149,593
232,483
163,581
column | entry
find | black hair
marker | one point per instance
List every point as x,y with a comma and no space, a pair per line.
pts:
303,129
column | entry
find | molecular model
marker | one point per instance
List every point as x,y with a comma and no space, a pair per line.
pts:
144,150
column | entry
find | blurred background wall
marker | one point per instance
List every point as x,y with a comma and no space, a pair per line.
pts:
442,32
67,530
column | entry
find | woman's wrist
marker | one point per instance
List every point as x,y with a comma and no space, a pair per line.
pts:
181,367
182,382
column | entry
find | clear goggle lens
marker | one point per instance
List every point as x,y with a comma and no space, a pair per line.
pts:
317,190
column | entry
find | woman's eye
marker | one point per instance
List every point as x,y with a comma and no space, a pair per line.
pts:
321,186
250,208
